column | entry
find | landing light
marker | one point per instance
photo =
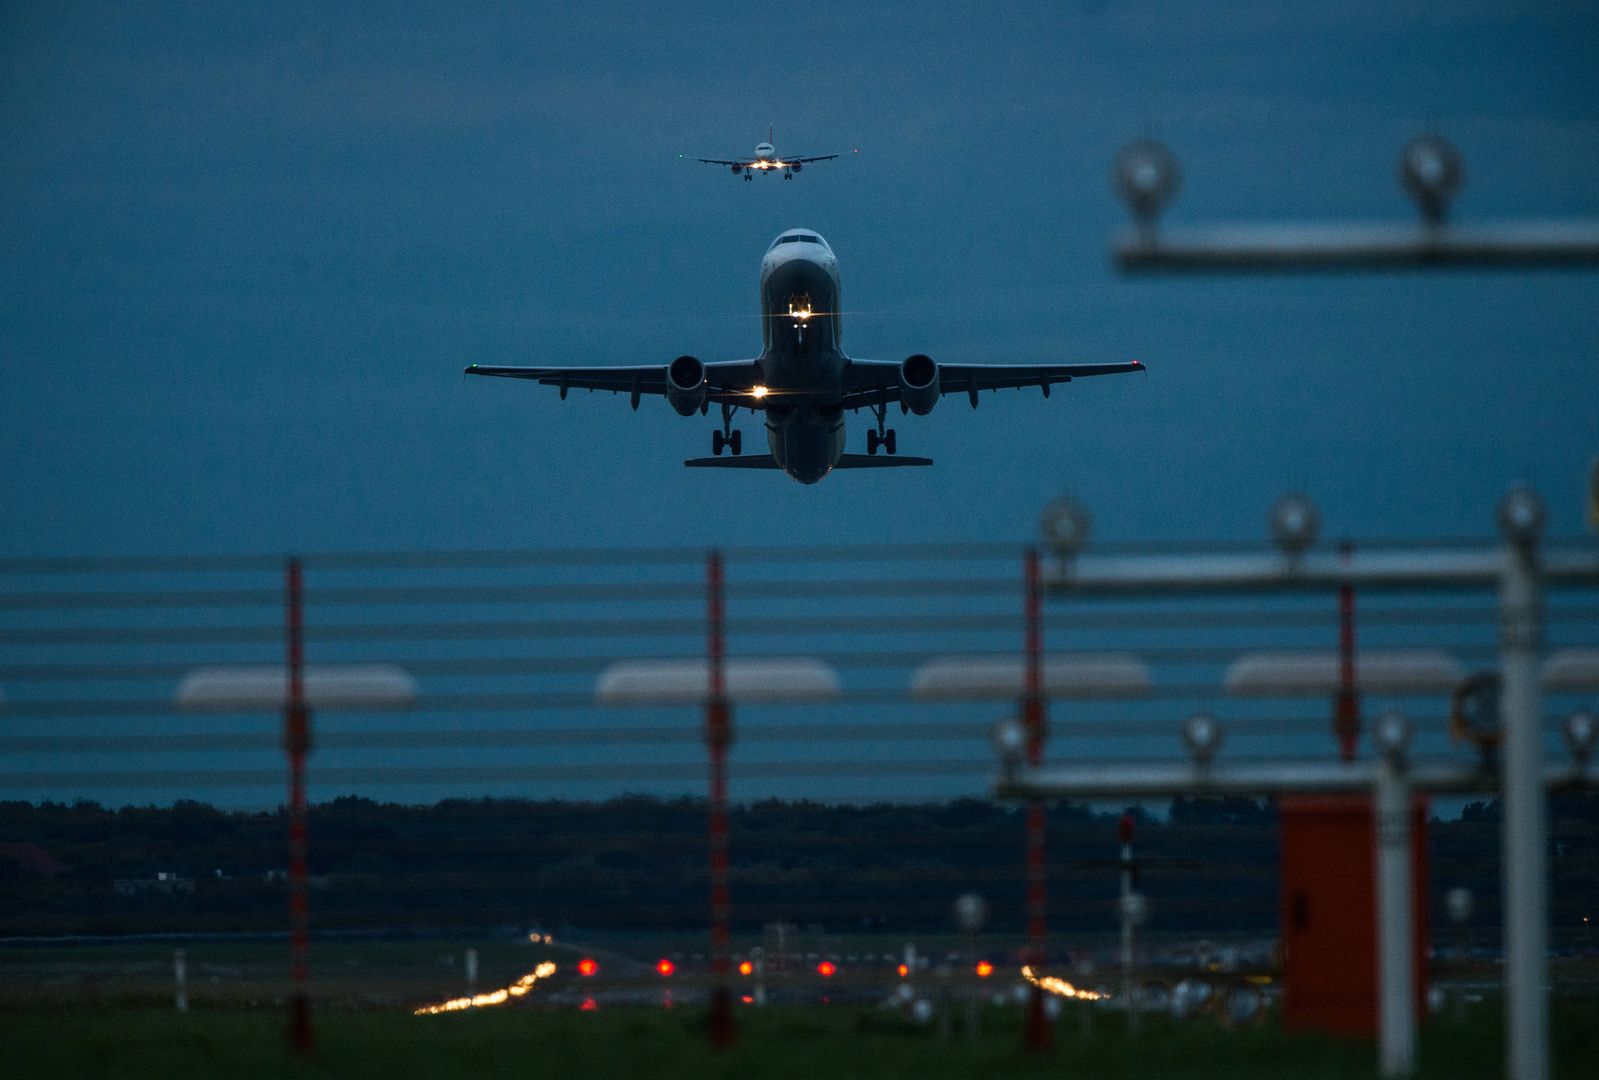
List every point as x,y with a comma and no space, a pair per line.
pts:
759,392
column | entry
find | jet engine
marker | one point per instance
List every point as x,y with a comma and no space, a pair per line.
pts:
918,384
685,385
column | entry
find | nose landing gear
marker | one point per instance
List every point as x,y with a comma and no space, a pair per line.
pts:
880,437
727,437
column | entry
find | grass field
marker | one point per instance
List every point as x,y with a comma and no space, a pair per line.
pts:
104,1010
809,1042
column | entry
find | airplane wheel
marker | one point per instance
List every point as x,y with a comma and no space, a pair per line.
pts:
871,442
716,443
736,441
888,441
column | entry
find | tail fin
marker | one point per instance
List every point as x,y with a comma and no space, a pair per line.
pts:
770,136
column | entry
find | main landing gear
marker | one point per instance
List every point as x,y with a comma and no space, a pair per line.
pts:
727,437
882,438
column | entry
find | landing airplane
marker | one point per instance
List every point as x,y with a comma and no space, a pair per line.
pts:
766,159
803,381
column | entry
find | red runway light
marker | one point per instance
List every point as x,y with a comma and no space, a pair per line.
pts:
587,967
984,969
665,966
589,1005
745,968
904,970
825,969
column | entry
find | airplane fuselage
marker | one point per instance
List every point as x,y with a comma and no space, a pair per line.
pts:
802,362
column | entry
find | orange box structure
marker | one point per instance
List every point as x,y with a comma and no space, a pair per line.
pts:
1329,913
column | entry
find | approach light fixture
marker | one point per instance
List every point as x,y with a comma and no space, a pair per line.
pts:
1009,740
1134,908
1579,732
1066,525
1190,996
1295,523
1430,171
1390,733
1146,176
1522,516
971,911
1244,1003
1474,711
1202,736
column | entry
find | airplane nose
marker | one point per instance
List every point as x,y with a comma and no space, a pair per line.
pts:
798,277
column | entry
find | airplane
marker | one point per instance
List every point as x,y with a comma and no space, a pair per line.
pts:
803,381
766,159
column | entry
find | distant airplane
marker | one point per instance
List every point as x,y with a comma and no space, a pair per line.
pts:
802,380
766,159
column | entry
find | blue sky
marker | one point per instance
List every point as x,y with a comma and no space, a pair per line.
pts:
244,256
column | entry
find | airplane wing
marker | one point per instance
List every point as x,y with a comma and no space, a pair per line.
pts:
872,382
719,161
727,380
808,160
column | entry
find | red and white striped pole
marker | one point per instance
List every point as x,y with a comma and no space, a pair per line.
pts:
718,736
297,742
1039,1034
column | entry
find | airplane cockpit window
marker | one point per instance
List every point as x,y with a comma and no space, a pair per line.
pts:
798,238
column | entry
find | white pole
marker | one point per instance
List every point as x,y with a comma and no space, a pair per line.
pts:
471,971
1127,938
1395,945
180,979
1525,829
758,965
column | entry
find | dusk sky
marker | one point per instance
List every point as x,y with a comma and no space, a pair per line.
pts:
244,256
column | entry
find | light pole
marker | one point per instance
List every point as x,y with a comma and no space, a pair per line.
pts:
1526,826
297,689
971,911
1396,985
1133,908
717,683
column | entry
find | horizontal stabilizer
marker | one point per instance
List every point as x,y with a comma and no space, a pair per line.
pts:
754,461
767,461
869,461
